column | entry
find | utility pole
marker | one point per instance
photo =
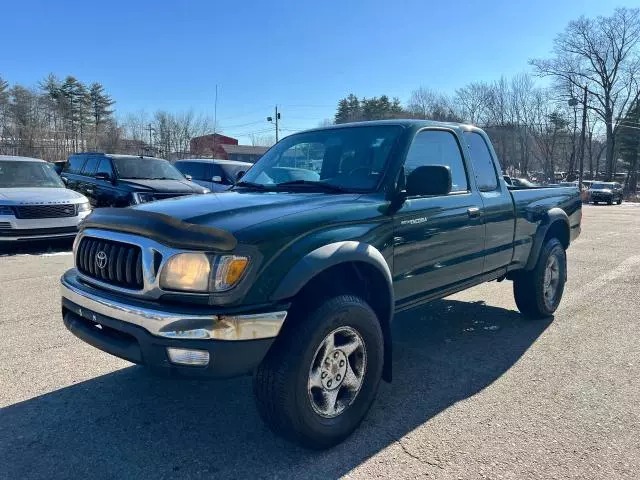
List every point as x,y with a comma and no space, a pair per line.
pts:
582,137
150,128
277,122
215,121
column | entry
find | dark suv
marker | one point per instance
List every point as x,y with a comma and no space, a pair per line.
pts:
608,192
122,180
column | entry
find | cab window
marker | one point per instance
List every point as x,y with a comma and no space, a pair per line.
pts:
105,167
90,166
75,163
438,147
485,171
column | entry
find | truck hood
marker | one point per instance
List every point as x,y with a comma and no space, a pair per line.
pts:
161,186
39,196
235,210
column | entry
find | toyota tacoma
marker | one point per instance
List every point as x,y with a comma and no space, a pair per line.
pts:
297,281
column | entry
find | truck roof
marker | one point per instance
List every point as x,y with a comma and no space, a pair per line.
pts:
404,122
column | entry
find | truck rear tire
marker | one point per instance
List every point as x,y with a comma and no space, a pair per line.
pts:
538,292
322,373
619,202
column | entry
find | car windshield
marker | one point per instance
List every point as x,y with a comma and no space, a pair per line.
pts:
338,159
601,186
146,168
232,170
20,174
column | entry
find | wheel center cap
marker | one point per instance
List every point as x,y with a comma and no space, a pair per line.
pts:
334,369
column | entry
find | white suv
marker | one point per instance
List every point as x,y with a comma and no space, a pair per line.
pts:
34,202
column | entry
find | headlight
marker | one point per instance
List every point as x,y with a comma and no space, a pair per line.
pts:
206,190
186,271
140,197
5,210
195,272
84,207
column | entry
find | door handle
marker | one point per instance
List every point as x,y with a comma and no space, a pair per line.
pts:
474,212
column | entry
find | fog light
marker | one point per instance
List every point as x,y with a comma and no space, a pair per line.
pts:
186,356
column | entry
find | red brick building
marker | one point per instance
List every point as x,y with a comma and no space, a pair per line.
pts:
225,148
211,145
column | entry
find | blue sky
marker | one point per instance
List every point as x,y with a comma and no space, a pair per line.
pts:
303,56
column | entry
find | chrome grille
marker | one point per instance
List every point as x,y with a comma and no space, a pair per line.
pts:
115,263
5,225
45,211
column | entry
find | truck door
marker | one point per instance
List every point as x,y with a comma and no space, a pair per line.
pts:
438,240
498,212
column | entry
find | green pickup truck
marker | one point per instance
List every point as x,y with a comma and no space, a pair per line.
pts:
295,274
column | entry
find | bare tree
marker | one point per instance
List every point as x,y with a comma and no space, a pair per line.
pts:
427,104
600,55
471,102
261,140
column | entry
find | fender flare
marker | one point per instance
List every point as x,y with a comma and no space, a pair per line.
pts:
552,217
327,256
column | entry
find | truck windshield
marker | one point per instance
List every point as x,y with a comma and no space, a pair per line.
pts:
146,168
333,160
20,174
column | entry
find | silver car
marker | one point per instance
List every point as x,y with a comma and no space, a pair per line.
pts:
34,202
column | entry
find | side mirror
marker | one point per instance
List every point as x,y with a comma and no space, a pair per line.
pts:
240,175
188,177
216,179
429,180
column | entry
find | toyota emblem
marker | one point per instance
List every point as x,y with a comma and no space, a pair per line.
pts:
101,259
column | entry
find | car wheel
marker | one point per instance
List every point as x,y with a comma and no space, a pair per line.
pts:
538,292
620,201
610,201
322,373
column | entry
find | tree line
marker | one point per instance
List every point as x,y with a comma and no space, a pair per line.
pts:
61,116
536,127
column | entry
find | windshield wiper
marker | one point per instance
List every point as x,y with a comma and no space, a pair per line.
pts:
322,185
257,186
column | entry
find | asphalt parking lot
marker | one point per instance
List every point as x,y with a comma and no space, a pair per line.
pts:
478,391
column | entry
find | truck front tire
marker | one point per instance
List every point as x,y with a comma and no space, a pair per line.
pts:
538,292
322,373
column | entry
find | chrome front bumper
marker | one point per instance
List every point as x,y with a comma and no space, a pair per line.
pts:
174,325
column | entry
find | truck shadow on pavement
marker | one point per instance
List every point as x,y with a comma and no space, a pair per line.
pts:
38,247
130,424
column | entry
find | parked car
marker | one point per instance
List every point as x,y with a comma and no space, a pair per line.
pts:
216,175
608,192
298,281
34,203
123,180
518,182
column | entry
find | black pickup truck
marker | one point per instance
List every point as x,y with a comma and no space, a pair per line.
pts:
297,281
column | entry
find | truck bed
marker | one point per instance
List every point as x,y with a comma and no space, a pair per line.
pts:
532,205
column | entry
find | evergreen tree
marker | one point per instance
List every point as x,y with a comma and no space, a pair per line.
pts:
100,103
342,114
628,141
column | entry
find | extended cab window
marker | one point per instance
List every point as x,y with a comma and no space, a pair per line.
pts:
486,177
438,147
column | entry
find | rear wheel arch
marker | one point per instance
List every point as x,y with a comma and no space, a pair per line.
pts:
343,268
554,225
